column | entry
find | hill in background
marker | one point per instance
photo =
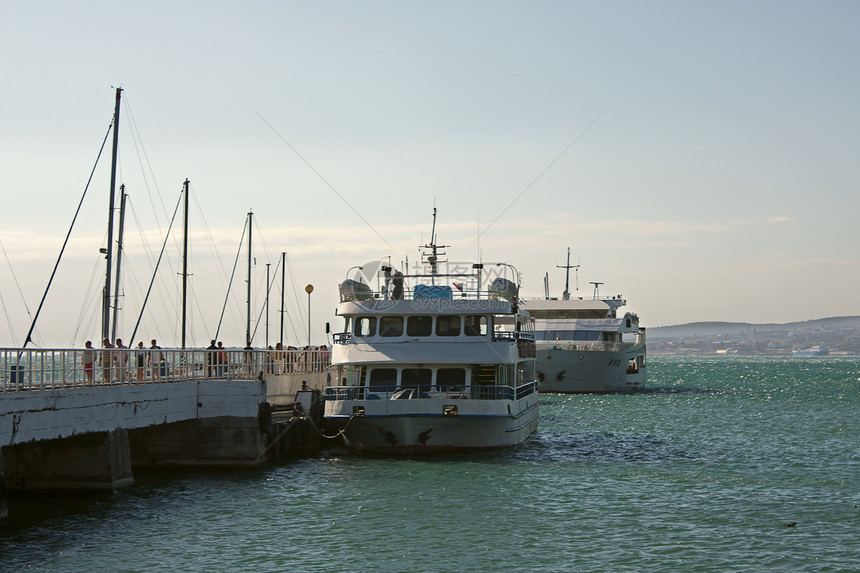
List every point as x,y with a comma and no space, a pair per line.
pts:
840,334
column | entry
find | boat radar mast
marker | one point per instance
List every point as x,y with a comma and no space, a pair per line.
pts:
433,257
567,267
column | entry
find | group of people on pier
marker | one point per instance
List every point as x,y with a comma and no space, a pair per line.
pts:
290,360
113,361
118,363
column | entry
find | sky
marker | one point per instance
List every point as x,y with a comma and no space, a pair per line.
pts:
698,158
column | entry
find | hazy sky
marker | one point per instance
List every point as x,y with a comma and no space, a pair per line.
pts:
700,158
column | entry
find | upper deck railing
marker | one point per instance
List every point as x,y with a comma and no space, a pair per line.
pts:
586,346
447,280
497,336
474,392
47,369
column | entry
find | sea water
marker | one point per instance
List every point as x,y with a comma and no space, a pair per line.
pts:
722,464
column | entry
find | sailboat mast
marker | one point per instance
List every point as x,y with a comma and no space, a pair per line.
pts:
248,327
283,272
109,253
268,284
122,196
185,265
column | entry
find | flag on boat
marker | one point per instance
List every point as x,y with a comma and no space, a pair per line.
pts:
459,287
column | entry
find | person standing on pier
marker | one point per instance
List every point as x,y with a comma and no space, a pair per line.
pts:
105,360
211,355
140,357
222,359
88,357
156,361
122,360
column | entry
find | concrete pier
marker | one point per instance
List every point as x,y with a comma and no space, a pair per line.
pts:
98,461
223,442
4,512
60,430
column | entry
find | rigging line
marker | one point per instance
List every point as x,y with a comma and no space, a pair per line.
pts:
295,296
263,306
213,247
66,241
261,238
15,278
91,297
155,272
323,179
266,253
213,250
136,131
150,256
8,319
202,316
539,175
232,275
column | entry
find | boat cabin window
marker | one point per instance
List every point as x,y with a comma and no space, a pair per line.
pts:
419,326
391,326
416,378
448,326
475,325
449,379
586,335
383,377
365,326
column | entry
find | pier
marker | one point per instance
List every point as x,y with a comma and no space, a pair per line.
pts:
67,427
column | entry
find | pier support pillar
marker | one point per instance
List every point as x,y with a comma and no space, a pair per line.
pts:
97,461
3,511
224,441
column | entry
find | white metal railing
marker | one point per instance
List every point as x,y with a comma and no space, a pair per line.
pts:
45,369
585,345
474,392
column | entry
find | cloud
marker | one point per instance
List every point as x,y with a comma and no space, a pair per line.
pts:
780,219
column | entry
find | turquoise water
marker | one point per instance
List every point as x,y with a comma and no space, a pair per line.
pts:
702,472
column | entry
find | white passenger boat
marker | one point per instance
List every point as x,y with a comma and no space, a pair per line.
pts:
585,345
433,361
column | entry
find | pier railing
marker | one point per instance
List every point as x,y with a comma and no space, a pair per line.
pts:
45,369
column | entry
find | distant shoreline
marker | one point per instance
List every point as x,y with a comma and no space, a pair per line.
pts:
841,335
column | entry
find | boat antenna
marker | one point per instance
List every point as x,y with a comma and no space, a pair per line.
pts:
596,290
433,257
567,267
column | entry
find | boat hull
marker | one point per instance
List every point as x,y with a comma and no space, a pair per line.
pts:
569,371
421,427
